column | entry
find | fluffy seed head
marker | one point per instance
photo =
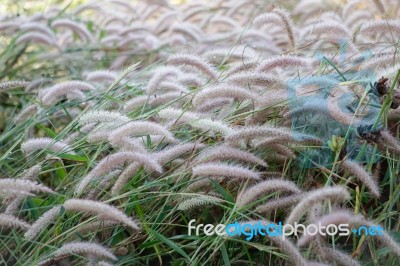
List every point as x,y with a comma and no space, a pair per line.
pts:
102,210
226,170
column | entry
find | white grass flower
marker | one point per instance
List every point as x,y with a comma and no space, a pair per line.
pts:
241,67
332,193
226,170
188,29
206,124
198,200
173,86
380,26
223,90
82,32
9,221
85,248
14,201
166,155
124,177
213,104
248,78
101,116
45,220
102,76
36,37
161,74
360,173
94,226
33,145
115,160
280,203
288,24
190,79
9,85
65,88
194,61
269,186
169,98
136,103
102,210
139,128
201,183
225,152
37,27
178,115
284,139
195,120
329,28
251,132
15,186
267,18
283,61
27,112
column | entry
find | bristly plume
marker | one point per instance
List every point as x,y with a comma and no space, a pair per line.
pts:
225,152
32,145
380,26
82,32
251,132
336,193
280,203
13,202
102,76
52,94
27,112
139,128
360,173
210,105
226,170
9,221
166,155
189,30
329,27
288,24
101,116
259,189
198,200
9,85
102,210
11,186
161,74
267,18
283,61
124,177
195,120
45,220
85,248
223,90
194,61
244,79
115,160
